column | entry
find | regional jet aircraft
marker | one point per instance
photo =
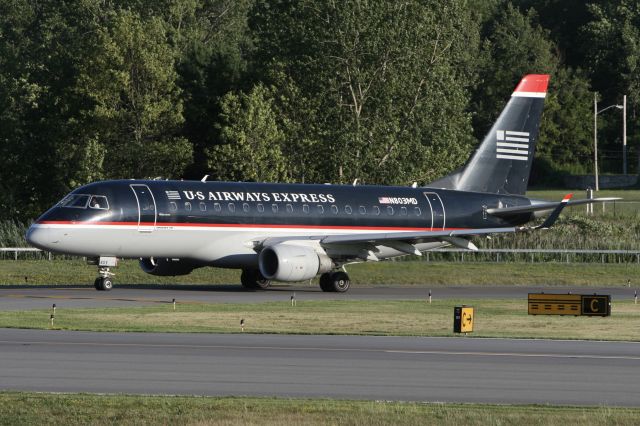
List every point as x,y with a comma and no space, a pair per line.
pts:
294,232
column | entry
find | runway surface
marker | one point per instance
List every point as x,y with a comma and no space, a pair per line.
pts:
42,297
377,368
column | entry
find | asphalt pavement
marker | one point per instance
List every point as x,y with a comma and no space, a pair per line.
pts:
346,367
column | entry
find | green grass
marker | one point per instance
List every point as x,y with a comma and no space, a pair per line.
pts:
82,409
420,272
493,318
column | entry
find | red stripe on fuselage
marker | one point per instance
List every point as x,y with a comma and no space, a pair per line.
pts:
240,225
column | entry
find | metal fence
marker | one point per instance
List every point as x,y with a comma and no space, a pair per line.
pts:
439,255
26,252
533,255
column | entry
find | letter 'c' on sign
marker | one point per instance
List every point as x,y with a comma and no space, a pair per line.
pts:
594,305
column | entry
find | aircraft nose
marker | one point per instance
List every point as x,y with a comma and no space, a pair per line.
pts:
39,237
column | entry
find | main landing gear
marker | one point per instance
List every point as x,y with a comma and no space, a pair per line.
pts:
337,281
252,279
104,282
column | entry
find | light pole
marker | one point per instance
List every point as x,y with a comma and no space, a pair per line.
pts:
595,135
624,135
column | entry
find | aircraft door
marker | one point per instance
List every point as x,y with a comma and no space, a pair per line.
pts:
437,210
147,211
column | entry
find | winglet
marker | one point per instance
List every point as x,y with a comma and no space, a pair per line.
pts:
548,223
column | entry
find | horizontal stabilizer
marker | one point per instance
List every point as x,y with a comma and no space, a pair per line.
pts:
548,223
542,206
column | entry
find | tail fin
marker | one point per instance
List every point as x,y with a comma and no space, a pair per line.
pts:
502,163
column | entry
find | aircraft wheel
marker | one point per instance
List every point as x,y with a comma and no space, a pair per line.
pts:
107,284
340,282
325,282
103,284
252,279
335,282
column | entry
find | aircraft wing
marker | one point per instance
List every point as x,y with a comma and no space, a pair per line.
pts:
405,241
401,241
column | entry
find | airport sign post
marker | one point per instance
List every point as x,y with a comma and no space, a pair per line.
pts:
569,304
463,319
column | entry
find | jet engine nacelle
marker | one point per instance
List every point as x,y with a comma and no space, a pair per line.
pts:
166,267
285,262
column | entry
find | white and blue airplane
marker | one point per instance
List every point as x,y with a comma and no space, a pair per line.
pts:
294,232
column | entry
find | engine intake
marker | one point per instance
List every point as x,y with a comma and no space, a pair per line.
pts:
166,267
285,262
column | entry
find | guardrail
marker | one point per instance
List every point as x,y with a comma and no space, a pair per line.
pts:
505,254
17,250
566,254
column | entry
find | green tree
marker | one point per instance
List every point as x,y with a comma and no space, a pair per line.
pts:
44,147
514,45
566,140
250,148
131,79
387,83
613,64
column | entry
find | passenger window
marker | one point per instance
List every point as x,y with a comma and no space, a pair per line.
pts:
347,209
289,208
173,206
203,206
99,202
187,206
390,210
274,208
376,210
320,209
260,208
232,207
417,211
363,210
403,211
245,207
334,209
217,207
305,208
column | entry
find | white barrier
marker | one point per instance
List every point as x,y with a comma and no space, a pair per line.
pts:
497,252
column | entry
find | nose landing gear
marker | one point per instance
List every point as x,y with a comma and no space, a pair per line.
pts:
104,282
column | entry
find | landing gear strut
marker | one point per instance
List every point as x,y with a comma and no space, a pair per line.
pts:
252,279
104,282
337,281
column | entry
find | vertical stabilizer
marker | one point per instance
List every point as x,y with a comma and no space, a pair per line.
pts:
502,163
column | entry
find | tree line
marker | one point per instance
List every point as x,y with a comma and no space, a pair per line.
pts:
298,91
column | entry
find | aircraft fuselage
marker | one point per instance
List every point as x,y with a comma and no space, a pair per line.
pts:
213,222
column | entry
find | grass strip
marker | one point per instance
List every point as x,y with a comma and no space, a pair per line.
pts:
493,318
82,409
422,273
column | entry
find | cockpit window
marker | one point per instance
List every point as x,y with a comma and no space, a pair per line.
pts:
76,201
99,202
83,201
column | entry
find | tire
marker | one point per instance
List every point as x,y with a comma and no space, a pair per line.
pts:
246,280
98,284
107,284
252,279
340,282
325,282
